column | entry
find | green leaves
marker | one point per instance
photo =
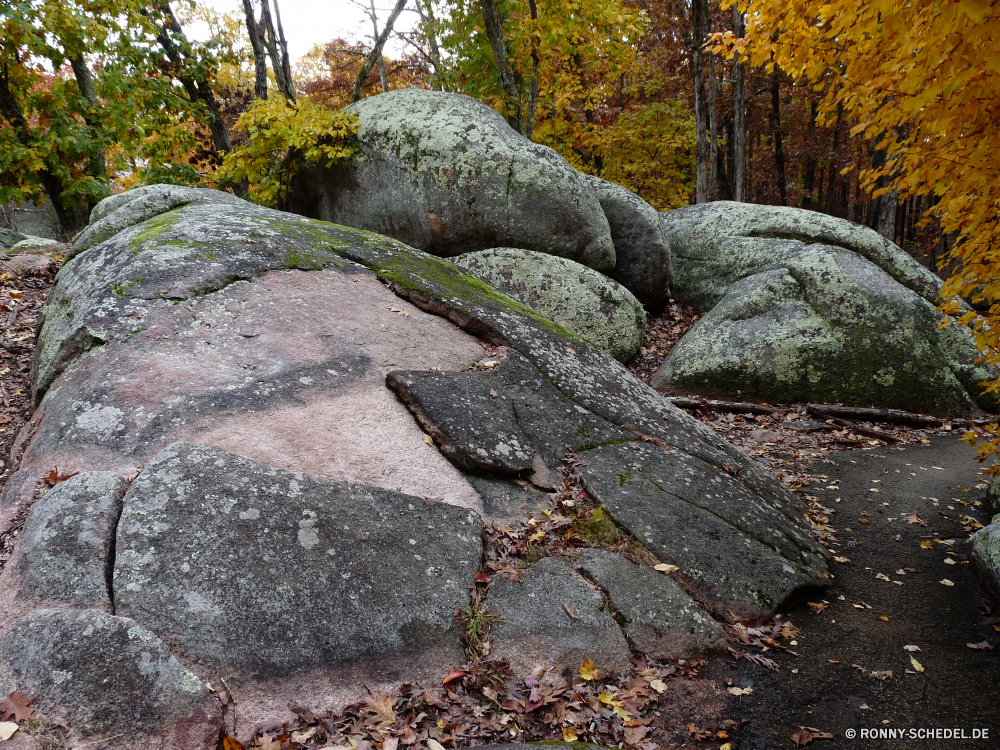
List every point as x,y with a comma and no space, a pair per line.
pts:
280,138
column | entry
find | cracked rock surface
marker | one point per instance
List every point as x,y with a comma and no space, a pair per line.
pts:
315,422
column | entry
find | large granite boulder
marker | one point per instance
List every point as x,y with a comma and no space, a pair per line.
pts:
578,298
643,261
806,307
294,524
446,174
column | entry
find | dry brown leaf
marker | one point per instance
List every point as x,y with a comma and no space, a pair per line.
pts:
983,646
916,665
665,568
17,706
634,735
7,730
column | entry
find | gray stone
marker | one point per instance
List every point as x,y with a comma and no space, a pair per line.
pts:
497,421
66,543
741,554
569,294
112,676
643,264
445,173
535,629
714,245
850,321
239,564
8,238
269,335
992,498
660,618
986,557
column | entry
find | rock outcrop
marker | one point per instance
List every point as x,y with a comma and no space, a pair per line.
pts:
802,306
643,261
446,174
578,298
297,526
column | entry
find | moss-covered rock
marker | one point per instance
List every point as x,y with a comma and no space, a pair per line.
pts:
986,556
578,298
447,174
805,307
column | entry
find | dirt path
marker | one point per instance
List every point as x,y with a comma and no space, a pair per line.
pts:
833,684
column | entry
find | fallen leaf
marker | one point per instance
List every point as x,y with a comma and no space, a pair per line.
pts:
228,743
536,536
739,691
54,477
434,745
882,576
17,707
454,675
915,518
842,559
911,649
883,675
304,735
883,618
664,568
569,734
698,734
926,544
916,664
634,735
946,582
7,730
658,685
984,646
588,670
428,439
267,742
805,735
817,608
949,561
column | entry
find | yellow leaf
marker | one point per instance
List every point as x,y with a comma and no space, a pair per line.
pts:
926,544
536,536
916,665
569,734
588,671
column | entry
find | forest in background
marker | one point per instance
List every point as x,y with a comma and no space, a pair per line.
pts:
883,112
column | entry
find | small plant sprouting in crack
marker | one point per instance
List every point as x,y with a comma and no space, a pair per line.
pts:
476,620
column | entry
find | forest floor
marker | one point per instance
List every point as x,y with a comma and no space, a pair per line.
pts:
903,639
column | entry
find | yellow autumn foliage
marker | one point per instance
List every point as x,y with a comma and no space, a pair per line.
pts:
280,138
922,80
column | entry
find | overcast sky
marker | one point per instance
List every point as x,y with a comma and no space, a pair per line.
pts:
308,22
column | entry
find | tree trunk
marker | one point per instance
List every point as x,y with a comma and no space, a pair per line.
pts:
197,90
380,60
427,18
494,32
809,183
700,113
256,34
85,82
277,64
886,223
739,115
713,127
286,65
376,53
779,155
831,193
529,125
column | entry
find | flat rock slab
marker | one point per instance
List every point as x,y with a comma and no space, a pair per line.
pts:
239,564
497,421
112,676
65,549
742,554
535,627
660,618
